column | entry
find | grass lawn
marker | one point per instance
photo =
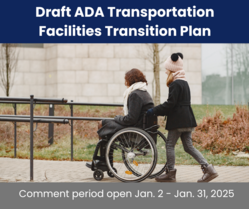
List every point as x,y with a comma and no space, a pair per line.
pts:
83,149
201,110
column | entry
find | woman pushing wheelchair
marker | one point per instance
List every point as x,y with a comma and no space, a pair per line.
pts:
180,120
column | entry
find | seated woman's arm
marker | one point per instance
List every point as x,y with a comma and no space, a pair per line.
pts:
135,104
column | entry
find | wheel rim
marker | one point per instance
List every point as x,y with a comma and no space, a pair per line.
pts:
98,174
133,155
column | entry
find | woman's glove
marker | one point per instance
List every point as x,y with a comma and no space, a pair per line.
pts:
149,112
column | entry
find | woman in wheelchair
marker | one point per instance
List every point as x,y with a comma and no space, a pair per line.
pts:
180,120
137,101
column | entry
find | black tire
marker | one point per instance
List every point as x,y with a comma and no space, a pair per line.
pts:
151,144
111,174
154,175
98,175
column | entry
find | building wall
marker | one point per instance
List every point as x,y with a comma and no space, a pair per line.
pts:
95,72
29,76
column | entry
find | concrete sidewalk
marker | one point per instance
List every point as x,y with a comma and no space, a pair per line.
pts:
17,170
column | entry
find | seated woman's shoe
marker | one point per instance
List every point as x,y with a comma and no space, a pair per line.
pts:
209,173
89,164
170,176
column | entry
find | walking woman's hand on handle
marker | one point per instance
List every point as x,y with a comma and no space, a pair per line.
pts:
150,112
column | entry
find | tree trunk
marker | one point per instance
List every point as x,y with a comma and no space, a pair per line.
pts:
156,70
7,68
227,97
8,61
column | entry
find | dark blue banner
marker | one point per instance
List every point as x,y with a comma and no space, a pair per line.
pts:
95,21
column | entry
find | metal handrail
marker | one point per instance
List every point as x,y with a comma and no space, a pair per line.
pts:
45,119
22,99
55,117
68,103
35,120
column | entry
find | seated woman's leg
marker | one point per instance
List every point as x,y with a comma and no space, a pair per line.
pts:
107,128
97,148
100,126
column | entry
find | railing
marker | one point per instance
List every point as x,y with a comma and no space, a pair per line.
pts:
45,119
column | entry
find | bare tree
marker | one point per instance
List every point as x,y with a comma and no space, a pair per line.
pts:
9,58
153,56
240,60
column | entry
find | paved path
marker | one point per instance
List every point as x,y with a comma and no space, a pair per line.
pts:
14,170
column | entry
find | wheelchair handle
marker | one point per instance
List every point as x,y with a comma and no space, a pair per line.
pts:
144,120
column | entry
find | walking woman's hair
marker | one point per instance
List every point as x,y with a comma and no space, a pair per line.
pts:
170,78
133,76
173,64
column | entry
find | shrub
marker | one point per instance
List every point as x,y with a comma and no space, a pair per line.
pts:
82,129
217,134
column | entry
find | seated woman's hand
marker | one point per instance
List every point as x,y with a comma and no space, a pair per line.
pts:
149,112
117,117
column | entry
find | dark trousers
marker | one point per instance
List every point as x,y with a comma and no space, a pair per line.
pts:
173,136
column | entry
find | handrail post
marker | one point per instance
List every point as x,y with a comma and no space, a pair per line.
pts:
31,137
71,107
14,132
51,125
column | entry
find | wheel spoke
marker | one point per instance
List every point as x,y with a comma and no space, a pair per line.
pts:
129,165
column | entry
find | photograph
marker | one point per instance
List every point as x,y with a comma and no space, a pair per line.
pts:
124,112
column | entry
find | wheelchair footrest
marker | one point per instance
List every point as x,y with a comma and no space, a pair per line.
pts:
97,164
89,165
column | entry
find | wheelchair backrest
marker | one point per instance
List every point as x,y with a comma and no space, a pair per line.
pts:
149,121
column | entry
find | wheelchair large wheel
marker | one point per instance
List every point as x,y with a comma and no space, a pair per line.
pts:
133,153
161,156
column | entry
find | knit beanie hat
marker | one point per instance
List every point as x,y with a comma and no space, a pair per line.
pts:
174,62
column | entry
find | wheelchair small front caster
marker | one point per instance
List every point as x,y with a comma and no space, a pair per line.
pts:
110,173
98,175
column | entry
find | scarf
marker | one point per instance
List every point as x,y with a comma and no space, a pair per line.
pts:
180,74
136,86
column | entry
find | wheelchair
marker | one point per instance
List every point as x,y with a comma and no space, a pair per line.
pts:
131,154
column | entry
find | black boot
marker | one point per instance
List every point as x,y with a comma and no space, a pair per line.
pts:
209,173
170,176
89,164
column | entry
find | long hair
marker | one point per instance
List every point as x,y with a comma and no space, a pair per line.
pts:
170,78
